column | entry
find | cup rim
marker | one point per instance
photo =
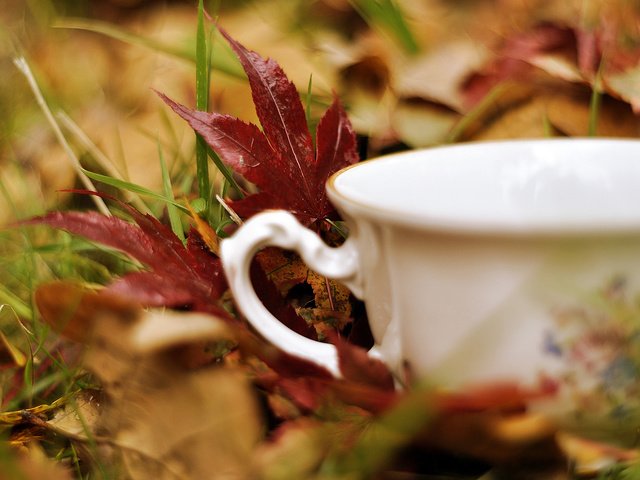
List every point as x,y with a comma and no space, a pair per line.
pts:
389,216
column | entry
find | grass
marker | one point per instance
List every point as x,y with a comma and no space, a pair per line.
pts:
202,104
33,255
223,59
389,17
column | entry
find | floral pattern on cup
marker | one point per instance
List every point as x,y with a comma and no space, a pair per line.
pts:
599,345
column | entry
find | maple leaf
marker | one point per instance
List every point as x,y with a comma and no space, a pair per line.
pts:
280,159
176,275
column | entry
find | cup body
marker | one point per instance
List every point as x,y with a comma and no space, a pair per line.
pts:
506,262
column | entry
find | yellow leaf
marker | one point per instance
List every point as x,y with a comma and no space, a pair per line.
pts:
283,269
19,359
329,294
207,233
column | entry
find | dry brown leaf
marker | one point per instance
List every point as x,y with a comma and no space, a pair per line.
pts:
10,353
284,270
526,120
570,115
329,294
438,74
421,124
592,457
78,418
496,437
164,420
198,425
205,230
74,310
332,299
32,464
160,329
296,452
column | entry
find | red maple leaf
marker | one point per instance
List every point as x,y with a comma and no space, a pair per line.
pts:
280,159
177,276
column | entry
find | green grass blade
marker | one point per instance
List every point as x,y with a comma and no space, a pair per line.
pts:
465,122
226,61
14,302
547,127
228,175
108,165
132,187
594,104
202,104
309,100
387,16
174,214
23,66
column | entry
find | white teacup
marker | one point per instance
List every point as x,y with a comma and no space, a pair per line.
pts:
481,263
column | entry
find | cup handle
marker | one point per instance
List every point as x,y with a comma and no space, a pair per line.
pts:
281,229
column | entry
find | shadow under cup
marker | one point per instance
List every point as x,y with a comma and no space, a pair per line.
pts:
513,261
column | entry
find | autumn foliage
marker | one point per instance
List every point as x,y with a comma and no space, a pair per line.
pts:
171,352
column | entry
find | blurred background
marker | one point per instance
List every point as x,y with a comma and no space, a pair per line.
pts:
77,81
412,74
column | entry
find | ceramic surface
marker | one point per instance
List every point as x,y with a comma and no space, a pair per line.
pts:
512,261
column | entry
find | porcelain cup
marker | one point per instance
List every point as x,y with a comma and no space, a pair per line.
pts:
483,263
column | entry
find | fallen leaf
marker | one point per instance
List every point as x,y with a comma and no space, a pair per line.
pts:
10,353
72,309
421,124
207,234
269,294
178,276
280,160
161,329
570,114
591,457
626,85
162,418
358,366
201,425
78,418
520,440
284,269
525,120
297,451
330,295
332,300
512,60
31,464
